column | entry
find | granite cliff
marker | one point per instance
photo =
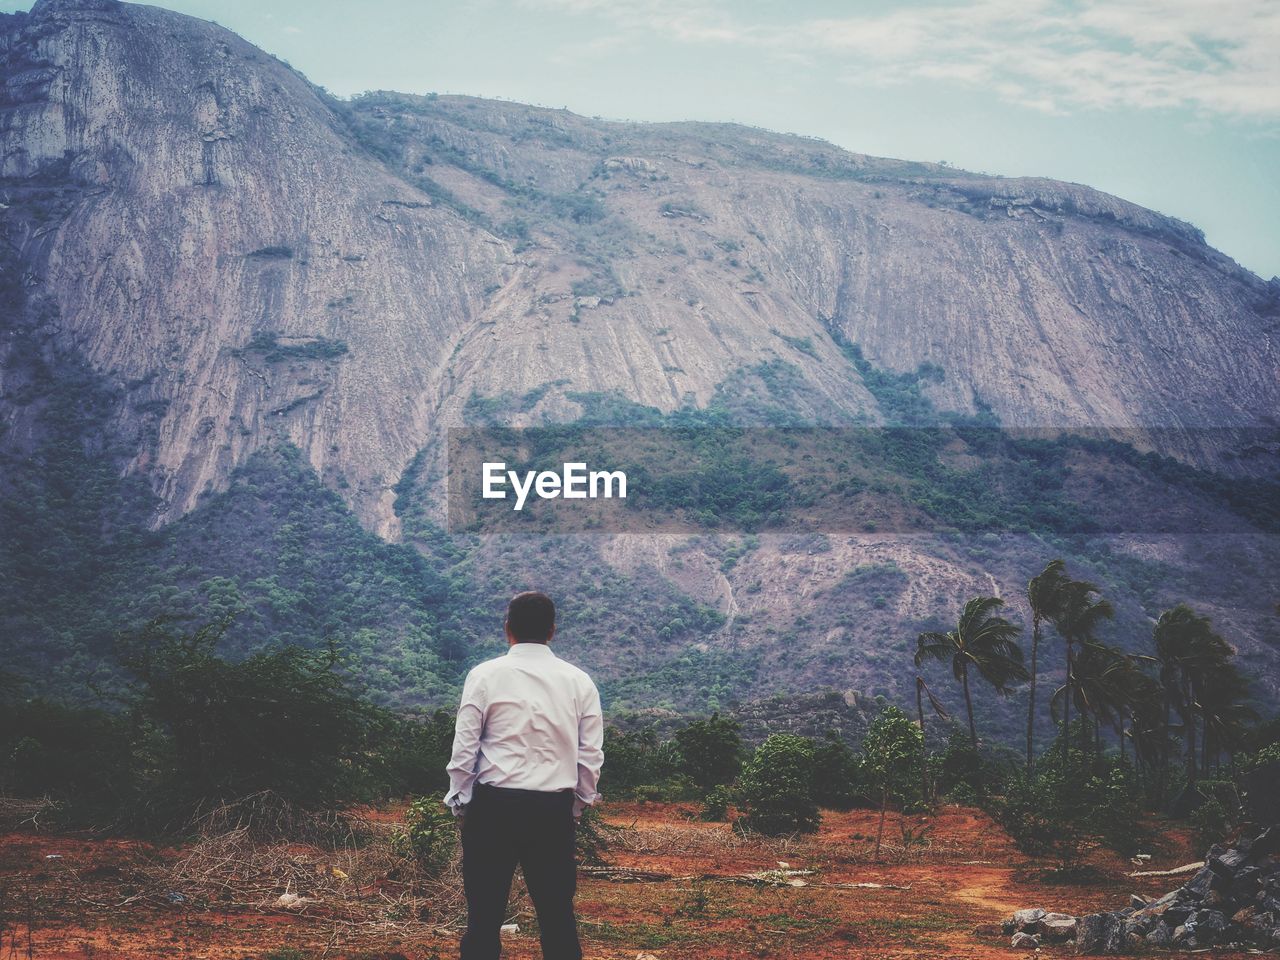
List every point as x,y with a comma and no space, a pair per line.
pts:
249,261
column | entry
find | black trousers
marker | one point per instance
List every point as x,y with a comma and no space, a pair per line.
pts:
535,829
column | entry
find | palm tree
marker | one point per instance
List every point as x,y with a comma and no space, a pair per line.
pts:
922,691
1044,595
1146,699
1223,700
980,640
1188,651
1077,618
1103,683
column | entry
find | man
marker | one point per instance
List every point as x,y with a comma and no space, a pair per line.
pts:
526,760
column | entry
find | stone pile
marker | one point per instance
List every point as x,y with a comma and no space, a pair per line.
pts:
1233,900
1030,928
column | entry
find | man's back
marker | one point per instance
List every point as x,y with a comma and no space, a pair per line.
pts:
535,721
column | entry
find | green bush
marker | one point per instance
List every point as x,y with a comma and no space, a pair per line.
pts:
710,751
1218,814
85,760
592,837
776,787
430,835
283,721
961,774
715,808
198,730
637,764
1209,823
1065,809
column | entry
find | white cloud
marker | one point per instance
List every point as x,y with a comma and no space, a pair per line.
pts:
1214,56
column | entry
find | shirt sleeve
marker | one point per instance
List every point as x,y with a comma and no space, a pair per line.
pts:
590,750
466,744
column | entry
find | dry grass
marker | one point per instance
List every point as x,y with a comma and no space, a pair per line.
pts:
337,872
19,814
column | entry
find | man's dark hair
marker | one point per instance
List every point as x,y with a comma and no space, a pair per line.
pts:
531,617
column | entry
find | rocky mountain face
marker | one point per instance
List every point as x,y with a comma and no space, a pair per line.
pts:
249,262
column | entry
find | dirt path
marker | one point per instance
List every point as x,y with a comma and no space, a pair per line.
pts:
991,889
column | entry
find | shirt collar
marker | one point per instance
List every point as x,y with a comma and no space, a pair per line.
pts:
529,650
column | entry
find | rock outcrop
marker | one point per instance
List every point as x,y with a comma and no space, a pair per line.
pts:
225,197
1232,901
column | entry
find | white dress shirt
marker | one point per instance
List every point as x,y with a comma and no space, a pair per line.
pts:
528,721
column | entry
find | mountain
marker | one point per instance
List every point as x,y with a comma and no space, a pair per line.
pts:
241,316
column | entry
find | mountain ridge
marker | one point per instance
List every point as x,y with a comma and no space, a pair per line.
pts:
251,266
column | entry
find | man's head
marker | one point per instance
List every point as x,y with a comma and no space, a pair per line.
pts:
531,618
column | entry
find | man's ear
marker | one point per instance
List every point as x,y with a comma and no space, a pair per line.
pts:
552,633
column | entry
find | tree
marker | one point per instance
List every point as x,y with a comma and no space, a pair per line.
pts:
835,773
1199,681
1080,610
1225,712
634,759
892,753
710,751
980,640
923,691
1044,595
1102,686
1065,807
777,787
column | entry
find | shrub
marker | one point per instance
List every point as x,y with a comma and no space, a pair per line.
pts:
593,837
1209,823
1218,814
1063,810
715,808
962,776
636,764
430,835
776,787
84,760
283,721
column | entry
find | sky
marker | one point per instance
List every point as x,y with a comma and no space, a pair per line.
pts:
1173,104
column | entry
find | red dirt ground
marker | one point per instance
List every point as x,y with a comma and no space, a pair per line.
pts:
61,897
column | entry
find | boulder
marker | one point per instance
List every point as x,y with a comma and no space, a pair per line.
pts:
1057,927
1246,883
1024,941
1204,881
1100,933
1026,918
1161,935
1210,925
1233,898
1227,862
